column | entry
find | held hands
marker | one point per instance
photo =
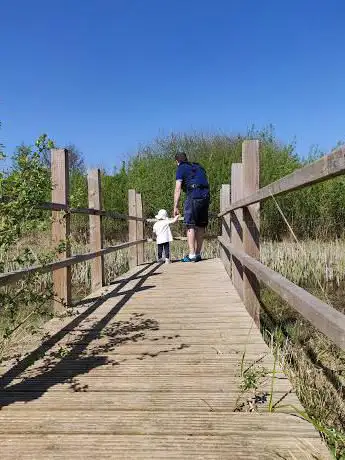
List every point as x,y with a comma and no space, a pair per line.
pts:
176,212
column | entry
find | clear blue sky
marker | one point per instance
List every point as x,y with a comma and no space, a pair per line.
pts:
107,75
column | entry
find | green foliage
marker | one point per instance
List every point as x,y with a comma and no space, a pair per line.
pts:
317,211
44,145
334,438
22,188
75,158
152,171
252,378
115,197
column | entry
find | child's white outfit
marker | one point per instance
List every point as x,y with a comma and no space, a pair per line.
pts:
164,236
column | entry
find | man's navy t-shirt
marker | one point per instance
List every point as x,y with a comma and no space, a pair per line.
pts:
185,174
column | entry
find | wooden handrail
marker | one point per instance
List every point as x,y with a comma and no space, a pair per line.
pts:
324,317
89,211
329,166
12,277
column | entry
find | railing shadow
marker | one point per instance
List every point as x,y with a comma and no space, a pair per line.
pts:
78,358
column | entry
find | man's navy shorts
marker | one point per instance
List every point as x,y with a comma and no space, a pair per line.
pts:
196,212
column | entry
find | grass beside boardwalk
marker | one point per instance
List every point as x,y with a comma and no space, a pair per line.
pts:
315,366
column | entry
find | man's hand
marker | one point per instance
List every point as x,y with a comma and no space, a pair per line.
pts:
176,212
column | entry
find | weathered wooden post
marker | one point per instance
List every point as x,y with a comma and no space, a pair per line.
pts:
132,228
237,226
140,228
96,234
224,203
251,227
61,227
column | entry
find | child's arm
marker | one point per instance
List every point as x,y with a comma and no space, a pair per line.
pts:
174,219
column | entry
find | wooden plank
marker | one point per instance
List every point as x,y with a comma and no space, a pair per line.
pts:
140,229
96,234
132,228
324,317
251,227
182,383
237,226
150,401
224,202
61,227
148,422
253,445
328,167
12,277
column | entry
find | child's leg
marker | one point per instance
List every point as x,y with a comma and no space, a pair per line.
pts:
167,250
160,251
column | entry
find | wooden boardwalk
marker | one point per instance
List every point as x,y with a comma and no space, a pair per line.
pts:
150,369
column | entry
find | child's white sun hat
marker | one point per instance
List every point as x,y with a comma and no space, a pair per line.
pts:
162,214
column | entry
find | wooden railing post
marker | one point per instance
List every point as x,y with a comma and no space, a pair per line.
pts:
251,227
237,226
140,228
61,227
224,203
132,228
96,234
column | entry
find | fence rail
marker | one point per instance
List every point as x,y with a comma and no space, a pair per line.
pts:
240,239
88,211
321,315
326,168
12,277
61,231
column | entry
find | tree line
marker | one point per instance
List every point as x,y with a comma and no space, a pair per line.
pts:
316,212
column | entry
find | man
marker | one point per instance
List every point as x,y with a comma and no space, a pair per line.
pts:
192,179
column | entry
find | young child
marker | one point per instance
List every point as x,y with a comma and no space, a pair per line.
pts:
162,230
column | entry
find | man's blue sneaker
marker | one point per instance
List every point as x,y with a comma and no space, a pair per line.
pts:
198,258
188,259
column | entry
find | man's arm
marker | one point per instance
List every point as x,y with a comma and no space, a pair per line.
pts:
177,195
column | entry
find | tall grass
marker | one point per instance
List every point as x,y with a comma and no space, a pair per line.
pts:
313,363
308,262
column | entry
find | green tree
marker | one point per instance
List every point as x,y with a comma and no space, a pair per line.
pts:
75,157
22,188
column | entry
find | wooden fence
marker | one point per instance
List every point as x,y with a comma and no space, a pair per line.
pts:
240,238
61,232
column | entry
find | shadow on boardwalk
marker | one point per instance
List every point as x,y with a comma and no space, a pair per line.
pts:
78,358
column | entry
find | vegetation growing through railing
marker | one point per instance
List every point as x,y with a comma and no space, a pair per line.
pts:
22,188
314,365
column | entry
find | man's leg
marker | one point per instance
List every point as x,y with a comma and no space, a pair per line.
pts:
201,219
199,239
189,222
191,237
